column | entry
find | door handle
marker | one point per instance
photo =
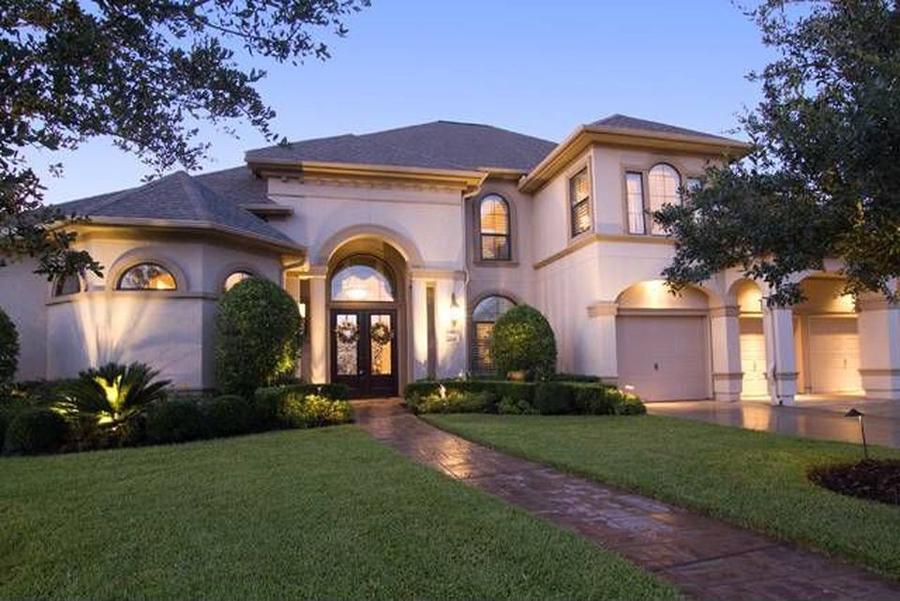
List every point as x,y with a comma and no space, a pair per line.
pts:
361,372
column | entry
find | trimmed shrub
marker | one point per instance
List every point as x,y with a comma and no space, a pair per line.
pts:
267,401
35,431
258,336
518,391
553,398
510,406
630,405
522,340
454,401
312,411
9,351
178,420
228,415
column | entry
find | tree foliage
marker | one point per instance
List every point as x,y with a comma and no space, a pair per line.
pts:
146,73
9,350
823,176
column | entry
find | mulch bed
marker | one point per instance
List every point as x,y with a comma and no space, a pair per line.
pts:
877,480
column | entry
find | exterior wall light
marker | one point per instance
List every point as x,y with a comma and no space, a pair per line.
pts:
456,312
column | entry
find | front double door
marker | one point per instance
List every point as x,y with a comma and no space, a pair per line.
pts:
364,351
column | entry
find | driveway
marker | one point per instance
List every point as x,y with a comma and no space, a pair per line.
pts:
812,417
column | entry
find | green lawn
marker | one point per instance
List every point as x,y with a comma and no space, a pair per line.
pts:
324,513
752,479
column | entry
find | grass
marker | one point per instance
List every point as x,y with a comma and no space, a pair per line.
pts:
325,513
752,479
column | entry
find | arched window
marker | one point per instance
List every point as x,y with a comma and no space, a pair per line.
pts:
147,276
486,313
235,277
493,215
664,184
67,284
362,278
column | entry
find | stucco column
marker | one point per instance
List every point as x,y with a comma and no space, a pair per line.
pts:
602,316
781,365
318,330
419,328
725,333
879,348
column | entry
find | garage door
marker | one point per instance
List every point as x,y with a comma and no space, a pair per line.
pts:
833,355
663,358
753,357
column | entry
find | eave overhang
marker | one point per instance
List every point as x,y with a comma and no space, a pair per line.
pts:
465,180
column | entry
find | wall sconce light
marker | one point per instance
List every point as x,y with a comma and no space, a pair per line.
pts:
456,312
302,307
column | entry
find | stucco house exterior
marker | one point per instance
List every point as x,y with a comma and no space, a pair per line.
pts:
402,247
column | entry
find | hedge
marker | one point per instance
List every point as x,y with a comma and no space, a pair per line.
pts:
547,398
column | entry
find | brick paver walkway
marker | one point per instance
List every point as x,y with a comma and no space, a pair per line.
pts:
705,558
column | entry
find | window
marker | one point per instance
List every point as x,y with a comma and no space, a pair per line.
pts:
693,183
580,202
67,284
234,278
362,278
634,193
485,314
664,183
494,228
147,276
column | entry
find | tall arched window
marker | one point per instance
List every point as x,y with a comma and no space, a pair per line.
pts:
486,313
362,278
664,184
147,276
493,216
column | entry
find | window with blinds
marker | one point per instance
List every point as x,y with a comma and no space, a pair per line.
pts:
634,193
580,202
494,229
664,184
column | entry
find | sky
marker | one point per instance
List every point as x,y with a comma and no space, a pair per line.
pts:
535,67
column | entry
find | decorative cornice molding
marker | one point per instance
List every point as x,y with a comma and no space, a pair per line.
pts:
581,242
725,311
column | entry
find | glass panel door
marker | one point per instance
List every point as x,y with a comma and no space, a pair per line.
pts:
364,351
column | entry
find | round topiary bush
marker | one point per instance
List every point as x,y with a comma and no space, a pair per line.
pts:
9,350
35,431
523,340
258,336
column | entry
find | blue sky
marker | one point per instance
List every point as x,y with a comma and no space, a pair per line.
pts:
539,68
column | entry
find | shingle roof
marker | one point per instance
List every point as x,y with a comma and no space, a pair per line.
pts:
180,197
633,123
436,145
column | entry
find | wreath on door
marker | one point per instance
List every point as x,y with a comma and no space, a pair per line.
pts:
347,332
381,333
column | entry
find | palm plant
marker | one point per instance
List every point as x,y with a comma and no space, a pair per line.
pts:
112,394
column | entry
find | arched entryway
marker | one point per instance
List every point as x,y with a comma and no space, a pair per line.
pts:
366,297
662,342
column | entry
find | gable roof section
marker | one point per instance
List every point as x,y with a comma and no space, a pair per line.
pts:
187,200
625,122
436,145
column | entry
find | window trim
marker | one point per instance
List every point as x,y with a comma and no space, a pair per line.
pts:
583,167
248,272
56,283
480,235
650,193
626,206
120,275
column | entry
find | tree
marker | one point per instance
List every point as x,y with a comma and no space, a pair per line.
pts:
144,72
822,178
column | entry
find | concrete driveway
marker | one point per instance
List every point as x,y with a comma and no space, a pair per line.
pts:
811,417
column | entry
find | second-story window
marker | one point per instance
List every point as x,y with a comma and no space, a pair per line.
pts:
580,202
493,230
634,194
664,183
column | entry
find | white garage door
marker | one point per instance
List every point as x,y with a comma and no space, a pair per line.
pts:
753,357
833,355
663,358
